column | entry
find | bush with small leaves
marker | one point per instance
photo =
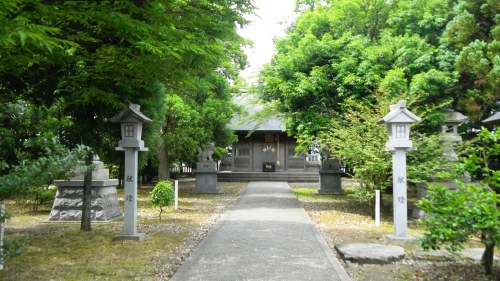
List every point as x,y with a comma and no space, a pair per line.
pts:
454,216
162,195
472,210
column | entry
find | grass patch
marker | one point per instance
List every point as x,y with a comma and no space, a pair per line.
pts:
60,251
304,192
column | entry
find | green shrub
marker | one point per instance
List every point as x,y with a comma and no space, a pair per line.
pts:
472,210
13,248
40,195
455,216
162,195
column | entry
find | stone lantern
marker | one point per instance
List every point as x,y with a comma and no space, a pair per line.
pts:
398,122
451,137
131,121
451,123
450,132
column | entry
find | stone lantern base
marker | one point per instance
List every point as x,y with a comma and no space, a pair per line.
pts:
68,202
69,197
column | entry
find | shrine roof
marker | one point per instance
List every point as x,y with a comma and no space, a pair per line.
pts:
253,116
493,119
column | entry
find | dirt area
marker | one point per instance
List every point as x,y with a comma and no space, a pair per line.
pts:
343,219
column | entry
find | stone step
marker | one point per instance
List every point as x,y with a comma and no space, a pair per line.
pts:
370,253
268,176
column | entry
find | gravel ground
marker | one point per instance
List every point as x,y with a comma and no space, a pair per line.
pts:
166,269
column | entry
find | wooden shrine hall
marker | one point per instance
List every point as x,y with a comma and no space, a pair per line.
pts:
264,151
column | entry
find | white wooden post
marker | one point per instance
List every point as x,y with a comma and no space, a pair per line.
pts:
377,208
176,194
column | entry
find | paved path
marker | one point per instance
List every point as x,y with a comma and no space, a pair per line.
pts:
267,235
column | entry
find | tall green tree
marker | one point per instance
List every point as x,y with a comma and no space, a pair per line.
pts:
191,122
425,18
179,135
203,90
93,58
352,49
473,34
440,53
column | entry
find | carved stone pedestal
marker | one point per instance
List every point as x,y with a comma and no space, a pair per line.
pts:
206,178
330,178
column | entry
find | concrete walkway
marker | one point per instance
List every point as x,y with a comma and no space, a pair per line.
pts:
267,235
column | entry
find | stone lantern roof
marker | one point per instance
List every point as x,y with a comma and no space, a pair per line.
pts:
133,111
131,121
454,117
399,114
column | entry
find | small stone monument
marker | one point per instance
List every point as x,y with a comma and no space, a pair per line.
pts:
104,202
225,162
131,120
206,171
330,178
398,122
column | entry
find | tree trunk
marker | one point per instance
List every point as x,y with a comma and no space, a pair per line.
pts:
87,193
371,206
487,258
163,166
167,166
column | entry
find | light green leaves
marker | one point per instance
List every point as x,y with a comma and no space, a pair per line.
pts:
162,195
454,216
470,211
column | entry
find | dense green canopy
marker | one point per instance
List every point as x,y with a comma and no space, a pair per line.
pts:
66,67
434,53
343,62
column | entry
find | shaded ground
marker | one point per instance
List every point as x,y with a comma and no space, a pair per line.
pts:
343,219
60,251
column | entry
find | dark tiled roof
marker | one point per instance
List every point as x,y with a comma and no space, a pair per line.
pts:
493,119
246,121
